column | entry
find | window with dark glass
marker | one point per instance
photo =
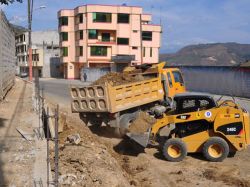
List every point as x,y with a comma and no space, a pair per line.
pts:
64,36
144,51
81,34
122,41
178,77
151,52
93,34
63,20
134,47
64,51
102,17
80,17
147,35
170,80
99,51
106,37
123,18
36,57
81,51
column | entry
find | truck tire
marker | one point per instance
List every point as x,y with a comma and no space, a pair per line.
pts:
215,149
174,150
91,120
125,121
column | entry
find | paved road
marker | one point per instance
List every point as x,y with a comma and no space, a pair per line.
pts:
57,90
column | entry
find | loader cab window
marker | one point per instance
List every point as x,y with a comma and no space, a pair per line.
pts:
193,104
178,77
170,80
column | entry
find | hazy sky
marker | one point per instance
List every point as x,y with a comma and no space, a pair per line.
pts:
184,21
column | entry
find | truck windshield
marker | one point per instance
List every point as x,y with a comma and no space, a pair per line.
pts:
178,77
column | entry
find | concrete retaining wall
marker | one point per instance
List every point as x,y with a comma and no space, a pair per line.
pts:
7,56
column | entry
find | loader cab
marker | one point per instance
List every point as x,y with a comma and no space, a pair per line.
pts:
192,103
175,82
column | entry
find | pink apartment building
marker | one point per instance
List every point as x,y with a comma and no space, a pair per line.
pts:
95,35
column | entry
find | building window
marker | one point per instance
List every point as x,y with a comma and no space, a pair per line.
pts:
99,51
35,57
151,52
64,36
144,51
81,34
93,34
102,17
134,31
123,18
106,37
64,51
146,35
134,48
79,51
122,41
63,21
80,18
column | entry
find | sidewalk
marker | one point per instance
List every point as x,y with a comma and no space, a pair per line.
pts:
18,155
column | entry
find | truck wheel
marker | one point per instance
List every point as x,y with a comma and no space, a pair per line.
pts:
215,149
174,150
91,120
125,121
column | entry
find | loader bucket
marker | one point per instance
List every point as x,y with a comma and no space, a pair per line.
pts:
140,138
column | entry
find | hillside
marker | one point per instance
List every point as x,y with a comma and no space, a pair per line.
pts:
217,54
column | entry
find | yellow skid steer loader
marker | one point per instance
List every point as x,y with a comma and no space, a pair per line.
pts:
199,124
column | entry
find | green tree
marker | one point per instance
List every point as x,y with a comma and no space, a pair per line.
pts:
6,2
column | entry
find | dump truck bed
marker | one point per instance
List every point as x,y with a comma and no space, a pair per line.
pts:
112,99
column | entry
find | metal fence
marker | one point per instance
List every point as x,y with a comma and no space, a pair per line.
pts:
234,81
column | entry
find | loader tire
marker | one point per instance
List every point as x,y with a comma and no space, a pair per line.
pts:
215,149
174,150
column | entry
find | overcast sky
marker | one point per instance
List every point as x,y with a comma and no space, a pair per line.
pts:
184,21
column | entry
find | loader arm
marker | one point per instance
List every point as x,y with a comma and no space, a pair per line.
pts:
160,123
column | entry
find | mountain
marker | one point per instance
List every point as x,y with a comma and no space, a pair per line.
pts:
217,54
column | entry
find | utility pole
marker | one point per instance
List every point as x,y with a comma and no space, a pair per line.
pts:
30,8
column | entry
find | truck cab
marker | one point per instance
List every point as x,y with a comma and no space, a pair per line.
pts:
175,82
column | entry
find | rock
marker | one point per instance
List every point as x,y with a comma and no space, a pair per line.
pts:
74,139
67,179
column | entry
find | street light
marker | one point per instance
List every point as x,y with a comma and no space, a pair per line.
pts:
30,12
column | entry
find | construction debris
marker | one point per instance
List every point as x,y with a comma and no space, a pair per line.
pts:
25,135
74,139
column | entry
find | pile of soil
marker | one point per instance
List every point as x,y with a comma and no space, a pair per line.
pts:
88,163
142,123
116,79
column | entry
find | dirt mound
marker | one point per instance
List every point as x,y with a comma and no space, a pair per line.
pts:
142,123
226,177
89,163
116,79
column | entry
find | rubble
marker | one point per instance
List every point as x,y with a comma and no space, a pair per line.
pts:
74,139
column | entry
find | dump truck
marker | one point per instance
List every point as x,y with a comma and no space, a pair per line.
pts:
117,105
198,123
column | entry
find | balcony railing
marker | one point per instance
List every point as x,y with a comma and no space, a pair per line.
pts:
106,41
